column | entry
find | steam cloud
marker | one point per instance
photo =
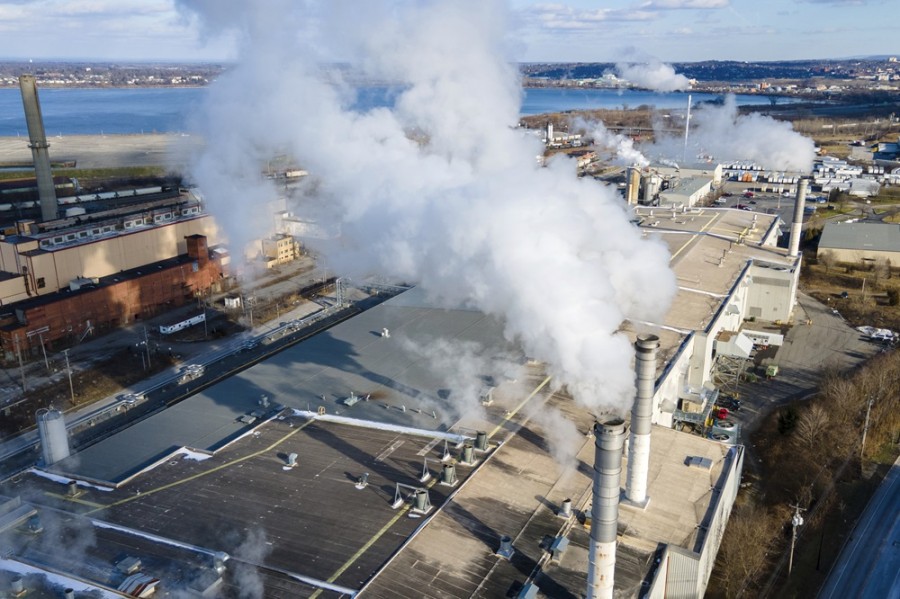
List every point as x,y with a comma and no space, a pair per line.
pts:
441,189
620,147
653,75
726,135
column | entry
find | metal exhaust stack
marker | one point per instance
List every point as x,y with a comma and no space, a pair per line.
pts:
609,438
797,224
39,147
639,442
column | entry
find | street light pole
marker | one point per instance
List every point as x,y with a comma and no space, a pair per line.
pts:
69,371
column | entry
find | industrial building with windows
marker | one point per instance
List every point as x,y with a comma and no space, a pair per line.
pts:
344,465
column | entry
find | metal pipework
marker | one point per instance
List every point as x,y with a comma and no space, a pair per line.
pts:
609,438
641,417
39,147
797,223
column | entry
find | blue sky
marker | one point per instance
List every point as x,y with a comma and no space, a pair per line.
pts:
568,30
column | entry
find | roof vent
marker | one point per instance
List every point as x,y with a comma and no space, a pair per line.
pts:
506,549
565,510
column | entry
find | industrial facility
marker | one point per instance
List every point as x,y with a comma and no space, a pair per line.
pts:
349,463
346,466
95,261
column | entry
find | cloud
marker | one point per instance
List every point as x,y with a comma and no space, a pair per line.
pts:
683,4
653,75
563,17
838,2
440,189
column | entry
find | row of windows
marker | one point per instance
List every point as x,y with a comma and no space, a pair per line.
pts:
128,224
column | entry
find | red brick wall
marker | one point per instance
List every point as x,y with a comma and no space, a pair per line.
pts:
111,306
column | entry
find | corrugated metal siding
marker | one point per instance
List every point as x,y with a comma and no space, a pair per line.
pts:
682,577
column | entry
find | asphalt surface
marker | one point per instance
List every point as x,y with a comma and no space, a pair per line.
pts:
869,565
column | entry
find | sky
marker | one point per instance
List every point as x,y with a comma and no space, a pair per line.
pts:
544,31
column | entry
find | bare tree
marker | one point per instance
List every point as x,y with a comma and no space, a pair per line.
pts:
750,535
813,426
826,259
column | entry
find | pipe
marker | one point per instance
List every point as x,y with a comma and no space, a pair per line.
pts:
641,417
609,438
797,224
39,147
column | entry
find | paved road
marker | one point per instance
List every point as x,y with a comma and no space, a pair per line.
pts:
869,565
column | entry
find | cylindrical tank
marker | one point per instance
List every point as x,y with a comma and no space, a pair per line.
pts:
53,435
632,184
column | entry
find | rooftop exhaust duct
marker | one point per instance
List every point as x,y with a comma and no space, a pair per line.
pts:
797,224
37,141
609,438
641,413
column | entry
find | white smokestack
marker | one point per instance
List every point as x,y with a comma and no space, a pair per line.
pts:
797,224
641,412
609,437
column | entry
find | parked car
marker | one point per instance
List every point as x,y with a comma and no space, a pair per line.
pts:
748,194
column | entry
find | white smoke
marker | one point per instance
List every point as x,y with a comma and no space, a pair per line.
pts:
441,189
252,551
653,75
620,147
719,131
466,370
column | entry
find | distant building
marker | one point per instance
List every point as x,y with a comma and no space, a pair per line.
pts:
686,192
860,242
66,278
279,249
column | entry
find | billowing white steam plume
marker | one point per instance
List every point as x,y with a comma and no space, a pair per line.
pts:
442,189
653,75
721,132
620,147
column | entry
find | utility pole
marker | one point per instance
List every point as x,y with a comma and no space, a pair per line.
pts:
796,522
862,448
44,349
21,365
147,345
69,371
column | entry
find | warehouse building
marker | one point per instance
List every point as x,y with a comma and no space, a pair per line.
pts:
859,243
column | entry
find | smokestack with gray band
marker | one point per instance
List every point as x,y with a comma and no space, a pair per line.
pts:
609,437
639,442
39,147
797,224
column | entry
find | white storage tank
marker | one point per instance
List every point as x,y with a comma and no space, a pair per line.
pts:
53,435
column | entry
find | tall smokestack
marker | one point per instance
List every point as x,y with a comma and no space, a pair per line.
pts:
639,442
39,147
609,438
797,224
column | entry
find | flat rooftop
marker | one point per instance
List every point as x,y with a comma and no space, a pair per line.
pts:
710,248
292,529
399,375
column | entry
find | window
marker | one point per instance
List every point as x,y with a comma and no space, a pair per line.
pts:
41,283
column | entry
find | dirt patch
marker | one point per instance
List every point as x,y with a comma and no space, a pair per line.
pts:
106,378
